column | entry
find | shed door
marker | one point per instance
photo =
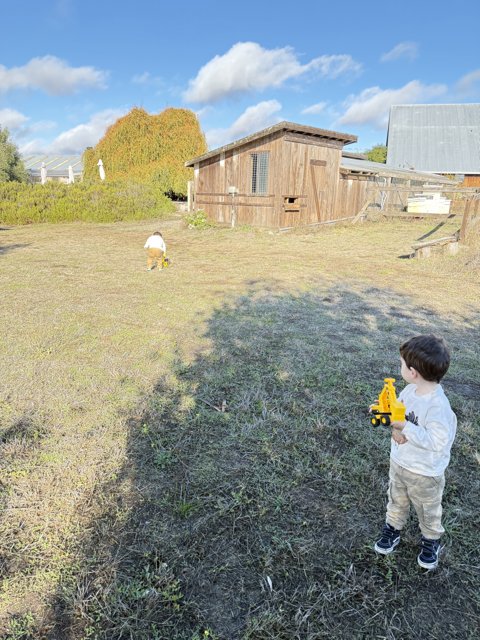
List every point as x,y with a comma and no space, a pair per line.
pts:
318,170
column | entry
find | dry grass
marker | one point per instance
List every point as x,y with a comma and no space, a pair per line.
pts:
132,508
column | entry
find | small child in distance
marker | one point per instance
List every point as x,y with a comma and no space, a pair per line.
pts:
156,249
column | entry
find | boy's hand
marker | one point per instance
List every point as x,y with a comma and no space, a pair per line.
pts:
398,425
398,437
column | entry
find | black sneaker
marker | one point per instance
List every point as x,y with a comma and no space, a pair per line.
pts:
389,540
428,557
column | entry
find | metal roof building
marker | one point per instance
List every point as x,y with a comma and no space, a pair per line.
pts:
437,138
57,167
367,167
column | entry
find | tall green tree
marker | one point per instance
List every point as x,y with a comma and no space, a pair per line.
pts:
11,165
378,153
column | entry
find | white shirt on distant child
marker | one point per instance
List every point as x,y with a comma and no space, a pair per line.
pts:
430,430
155,242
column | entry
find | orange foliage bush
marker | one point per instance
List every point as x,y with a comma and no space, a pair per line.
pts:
149,148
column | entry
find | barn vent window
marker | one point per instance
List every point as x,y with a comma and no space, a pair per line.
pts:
260,172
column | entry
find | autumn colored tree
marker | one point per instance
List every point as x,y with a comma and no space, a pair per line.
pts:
149,148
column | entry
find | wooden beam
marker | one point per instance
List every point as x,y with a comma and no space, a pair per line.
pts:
435,242
366,204
315,192
466,220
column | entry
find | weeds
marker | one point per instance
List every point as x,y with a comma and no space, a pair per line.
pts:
198,220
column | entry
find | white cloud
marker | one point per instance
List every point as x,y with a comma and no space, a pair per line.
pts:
11,119
469,82
51,75
247,67
142,78
253,119
315,108
407,50
372,106
75,140
86,135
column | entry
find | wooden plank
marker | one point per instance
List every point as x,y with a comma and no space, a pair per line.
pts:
368,202
321,142
466,220
406,214
435,242
236,204
239,195
315,191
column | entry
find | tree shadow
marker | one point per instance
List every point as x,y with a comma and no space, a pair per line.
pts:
7,248
254,486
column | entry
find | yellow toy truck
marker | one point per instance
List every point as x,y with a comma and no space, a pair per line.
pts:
388,409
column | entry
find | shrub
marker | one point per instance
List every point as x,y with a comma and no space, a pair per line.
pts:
198,220
149,148
102,202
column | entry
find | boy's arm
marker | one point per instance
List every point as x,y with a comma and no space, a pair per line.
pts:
433,435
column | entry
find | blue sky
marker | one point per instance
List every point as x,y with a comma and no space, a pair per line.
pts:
70,68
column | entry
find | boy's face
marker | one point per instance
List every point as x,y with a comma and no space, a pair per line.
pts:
408,374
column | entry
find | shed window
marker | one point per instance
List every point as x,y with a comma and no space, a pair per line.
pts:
260,172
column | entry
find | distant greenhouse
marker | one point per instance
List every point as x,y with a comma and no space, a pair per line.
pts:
57,167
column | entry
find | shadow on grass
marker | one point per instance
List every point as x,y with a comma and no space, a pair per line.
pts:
257,521
8,248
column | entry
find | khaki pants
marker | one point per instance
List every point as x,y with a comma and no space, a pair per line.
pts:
424,492
154,257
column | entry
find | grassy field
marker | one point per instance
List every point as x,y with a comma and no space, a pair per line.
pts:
186,454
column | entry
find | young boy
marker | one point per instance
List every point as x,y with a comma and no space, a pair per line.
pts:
156,248
420,449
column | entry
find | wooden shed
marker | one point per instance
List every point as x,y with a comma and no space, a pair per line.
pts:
281,177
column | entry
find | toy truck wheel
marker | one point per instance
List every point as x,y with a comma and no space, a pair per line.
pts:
375,421
385,420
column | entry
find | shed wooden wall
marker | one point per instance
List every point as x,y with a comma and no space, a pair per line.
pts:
301,169
213,181
351,195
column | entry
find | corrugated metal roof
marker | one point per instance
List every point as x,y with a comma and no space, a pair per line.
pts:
346,138
56,165
380,169
442,138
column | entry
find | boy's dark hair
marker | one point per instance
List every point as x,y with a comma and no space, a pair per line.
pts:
429,355
157,233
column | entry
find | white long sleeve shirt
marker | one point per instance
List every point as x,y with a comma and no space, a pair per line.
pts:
430,430
155,242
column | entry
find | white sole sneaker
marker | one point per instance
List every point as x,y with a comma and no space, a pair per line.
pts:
432,565
386,552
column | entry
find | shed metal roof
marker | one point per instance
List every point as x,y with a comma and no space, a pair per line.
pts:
441,138
312,132
56,165
356,165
